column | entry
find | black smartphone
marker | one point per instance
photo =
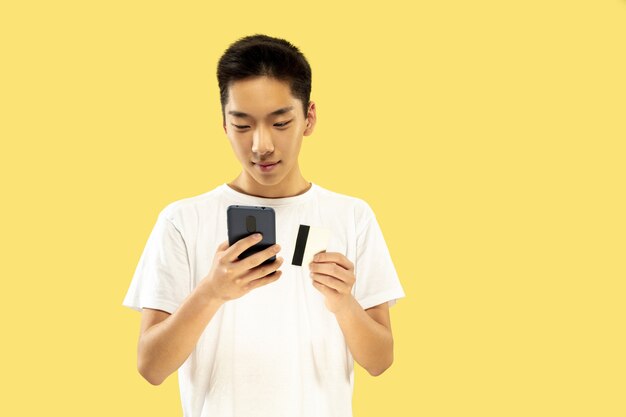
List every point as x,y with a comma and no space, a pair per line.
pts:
246,220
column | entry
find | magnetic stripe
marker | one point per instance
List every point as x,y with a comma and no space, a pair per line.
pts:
298,254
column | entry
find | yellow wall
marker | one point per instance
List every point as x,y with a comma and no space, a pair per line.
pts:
488,137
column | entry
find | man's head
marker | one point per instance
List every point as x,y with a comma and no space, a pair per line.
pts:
262,55
265,85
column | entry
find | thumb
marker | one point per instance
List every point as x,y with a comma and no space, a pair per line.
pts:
223,246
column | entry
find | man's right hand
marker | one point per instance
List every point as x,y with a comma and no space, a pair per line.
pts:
231,277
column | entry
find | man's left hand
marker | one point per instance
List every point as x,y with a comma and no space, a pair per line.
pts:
333,276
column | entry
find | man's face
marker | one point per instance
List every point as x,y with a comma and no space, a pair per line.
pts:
265,125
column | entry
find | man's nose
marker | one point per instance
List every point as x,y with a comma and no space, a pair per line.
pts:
262,141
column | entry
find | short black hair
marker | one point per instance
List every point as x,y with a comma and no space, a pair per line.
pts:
262,55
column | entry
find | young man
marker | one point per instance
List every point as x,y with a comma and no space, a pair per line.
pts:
248,341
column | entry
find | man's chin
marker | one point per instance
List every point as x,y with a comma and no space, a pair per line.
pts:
266,180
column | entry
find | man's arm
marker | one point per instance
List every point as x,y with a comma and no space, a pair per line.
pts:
368,335
166,341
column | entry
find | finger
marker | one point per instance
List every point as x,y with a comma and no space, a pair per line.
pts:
261,271
336,257
333,270
241,245
259,257
264,281
322,288
331,282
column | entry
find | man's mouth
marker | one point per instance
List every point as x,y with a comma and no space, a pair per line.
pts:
267,167
266,164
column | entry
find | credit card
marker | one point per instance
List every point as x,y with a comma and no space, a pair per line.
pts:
311,240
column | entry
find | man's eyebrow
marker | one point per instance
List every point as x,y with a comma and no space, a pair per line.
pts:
274,113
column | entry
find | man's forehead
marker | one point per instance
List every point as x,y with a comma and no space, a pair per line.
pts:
246,115
260,97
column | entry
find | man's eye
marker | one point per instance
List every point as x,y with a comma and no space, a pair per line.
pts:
283,124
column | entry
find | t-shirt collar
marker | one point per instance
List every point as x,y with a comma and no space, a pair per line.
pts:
243,198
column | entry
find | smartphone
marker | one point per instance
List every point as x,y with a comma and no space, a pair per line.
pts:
246,220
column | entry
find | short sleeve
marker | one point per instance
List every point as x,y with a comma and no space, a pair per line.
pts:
376,277
162,277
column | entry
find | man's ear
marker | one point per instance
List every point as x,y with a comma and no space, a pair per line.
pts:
311,118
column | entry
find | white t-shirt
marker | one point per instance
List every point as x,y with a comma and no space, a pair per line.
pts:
277,351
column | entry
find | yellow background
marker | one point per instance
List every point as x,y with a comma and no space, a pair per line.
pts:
488,137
